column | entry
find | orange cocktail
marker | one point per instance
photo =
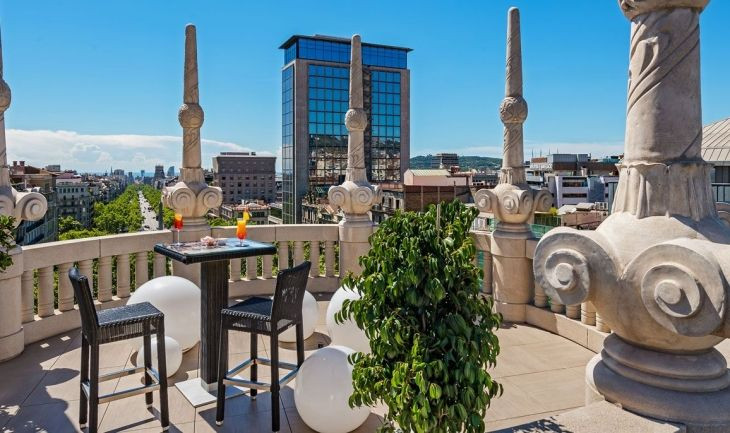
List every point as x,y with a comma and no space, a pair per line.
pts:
241,227
177,223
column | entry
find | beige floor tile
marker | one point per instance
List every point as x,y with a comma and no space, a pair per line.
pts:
512,422
299,426
188,427
62,384
540,356
555,389
512,403
514,335
256,422
132,413
50,418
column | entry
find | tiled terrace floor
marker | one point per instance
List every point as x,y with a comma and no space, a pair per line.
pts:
542,374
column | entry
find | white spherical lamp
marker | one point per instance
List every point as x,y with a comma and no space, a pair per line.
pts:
173,355
179,299
346,333
323,388
310,315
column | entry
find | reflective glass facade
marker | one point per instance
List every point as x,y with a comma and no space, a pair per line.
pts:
287,143
385,127
314,136
327,104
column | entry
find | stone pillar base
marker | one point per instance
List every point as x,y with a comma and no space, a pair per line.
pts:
354,243
12,340
12,345
513,313
700,411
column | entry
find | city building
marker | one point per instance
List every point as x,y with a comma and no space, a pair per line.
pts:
171,171
421,188
315,83
245,176
28,178
53,168
159,172
716,150
75,198
444,160
259,212
130,177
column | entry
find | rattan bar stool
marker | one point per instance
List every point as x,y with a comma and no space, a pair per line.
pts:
259,315
110,325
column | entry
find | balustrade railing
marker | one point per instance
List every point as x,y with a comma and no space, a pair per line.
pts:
116,265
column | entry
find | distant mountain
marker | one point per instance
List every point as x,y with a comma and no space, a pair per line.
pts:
465,162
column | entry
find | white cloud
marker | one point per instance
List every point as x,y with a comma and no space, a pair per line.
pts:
98,152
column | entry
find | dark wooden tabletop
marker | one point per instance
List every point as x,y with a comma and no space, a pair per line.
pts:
195,252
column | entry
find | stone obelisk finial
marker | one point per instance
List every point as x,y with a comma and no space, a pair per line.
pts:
29,206
513,202
356,196
191,196
513,110
657,268
191,114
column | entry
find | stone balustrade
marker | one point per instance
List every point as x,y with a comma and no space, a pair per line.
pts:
579,323
122,263
116,265
317,243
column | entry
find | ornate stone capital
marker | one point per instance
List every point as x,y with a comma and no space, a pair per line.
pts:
354,199
634,8
192,200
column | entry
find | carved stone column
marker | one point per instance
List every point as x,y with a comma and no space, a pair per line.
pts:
30,206
513,202
657,269
355,196
191,196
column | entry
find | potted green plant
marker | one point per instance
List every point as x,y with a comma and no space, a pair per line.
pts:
431,331
7,241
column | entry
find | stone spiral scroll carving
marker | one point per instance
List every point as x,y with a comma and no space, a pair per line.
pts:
485,200
30,206
634,8
209,198
570,265
513,109
182,199
338,196
681,286
543,201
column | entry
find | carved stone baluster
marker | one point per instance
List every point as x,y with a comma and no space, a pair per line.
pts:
556,306
160,265
329,258
65,290
601,325
267,265
573,311
28,297
123,276
45,291
283,255
541,300
86,268
105,279
487,272
251,268
141,272
235,269
588,313
298,252
314,258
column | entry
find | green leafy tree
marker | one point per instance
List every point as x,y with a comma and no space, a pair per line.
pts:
7,241
432,334
69,223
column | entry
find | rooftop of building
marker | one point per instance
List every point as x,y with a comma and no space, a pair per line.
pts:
244,154
289,42
716,141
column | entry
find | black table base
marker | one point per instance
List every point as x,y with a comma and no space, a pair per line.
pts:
214,297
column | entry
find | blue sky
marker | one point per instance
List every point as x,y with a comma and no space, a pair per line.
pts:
98,83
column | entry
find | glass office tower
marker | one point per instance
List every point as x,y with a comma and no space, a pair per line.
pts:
315,85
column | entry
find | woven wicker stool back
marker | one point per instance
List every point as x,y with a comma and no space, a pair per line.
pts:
289,295
85,299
